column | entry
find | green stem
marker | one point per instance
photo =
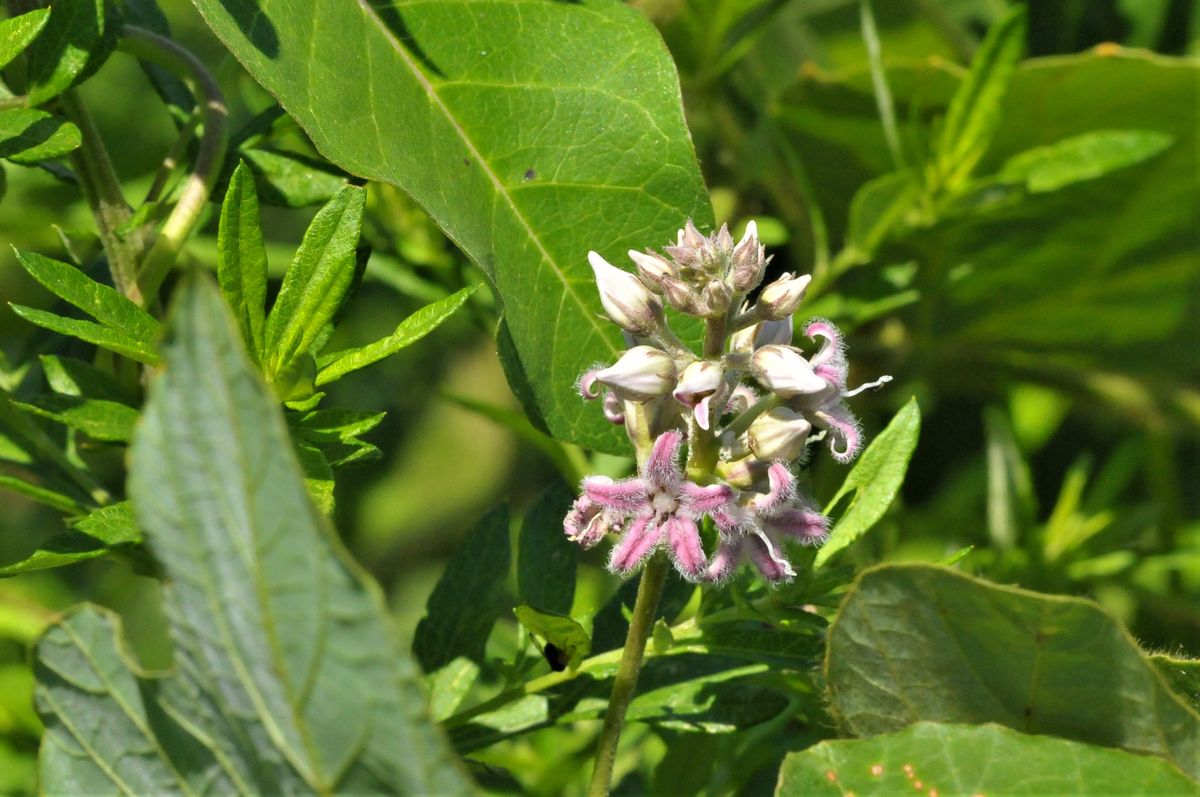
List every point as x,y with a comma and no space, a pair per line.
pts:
645,608
102,190
210,155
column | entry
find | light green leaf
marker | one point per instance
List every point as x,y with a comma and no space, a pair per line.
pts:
875,481
73,44
29,136
1011,500
99,534
332,367
1082,157
72,377
316,283
288,679
43,495
242,258
450,685
920,642
335,433
109,421
878,208
546,559
105,337
536,132
468,597
559,630
17,32
102,302
932,758
292,180
974,111
318,477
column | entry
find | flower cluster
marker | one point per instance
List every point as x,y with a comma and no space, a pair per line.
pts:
749,407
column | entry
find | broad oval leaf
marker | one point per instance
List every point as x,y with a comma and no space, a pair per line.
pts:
919,642
537,131
288,679
931,758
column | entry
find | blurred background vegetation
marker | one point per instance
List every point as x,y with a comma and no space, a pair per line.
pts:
1052,336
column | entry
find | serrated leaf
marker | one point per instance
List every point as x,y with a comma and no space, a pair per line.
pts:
242,258
920,642
108,421
17,32
72,377
72,45
974,112
559,630
316,282
535,133
102,302
546,559
105,337
1082,157
875,480
28,135
98,534
468,598
932,758
288,679
332,367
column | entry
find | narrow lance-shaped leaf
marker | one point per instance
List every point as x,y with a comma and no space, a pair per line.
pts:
29,136
930,758
875,480
287,678
17,32
242,258
536,132
114,340
111,528
72,377
99,419
1082,157
920,642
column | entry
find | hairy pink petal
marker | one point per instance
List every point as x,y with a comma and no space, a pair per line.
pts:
627,495
769,561
697,500
729,519
844,436
587,384
635,544
684,538
829,362
802,525
724,559
782,488
614,412
662,466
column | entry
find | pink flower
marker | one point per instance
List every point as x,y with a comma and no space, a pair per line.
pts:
659,508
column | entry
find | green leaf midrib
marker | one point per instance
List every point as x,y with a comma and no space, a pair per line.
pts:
501,190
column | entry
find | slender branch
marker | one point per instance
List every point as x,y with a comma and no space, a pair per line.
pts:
15,101
645,608
210,154
172,159
883,94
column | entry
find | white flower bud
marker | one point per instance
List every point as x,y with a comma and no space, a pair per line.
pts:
764,333
784,370
642,373
748,261
653,268
779,433
781,298
626,300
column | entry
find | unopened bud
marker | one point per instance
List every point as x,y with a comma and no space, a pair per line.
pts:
626,300
641,374
764,333
680,296
653,268
717,297
697,387
784,370
779,433
781,298
748,261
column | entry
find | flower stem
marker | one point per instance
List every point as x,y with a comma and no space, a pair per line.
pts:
645,608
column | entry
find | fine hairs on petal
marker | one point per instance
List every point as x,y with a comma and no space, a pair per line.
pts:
635,545
587,385
683,541
829,362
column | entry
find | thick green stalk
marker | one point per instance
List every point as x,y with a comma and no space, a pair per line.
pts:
645,608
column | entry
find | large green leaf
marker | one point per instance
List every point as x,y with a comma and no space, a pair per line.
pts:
919,642
287,677
533,133
930,758
546,559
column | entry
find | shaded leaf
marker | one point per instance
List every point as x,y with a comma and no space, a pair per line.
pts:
931,758
98,534
450,685
1082,157
72,377
28,135
75,41
109,421
875,480
337,364
546,559
292,180
566,635
17,32
535,133
105,337
335,432
468,597
242,258
920,642
878,208
43,495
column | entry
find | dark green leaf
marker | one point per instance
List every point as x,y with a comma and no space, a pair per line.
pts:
99,534
468,597
43,495
29,136
73,44
931,758
242,258
878,208
318,477
526,156
292,180
546,559
1182,674
1082,157
17,32
105,337
335,433
566,635
875,480
109,421
336,365
288,679
72,377
920,642
975,110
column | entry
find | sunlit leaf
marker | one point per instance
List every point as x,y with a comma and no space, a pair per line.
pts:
1082,157
100,533
17,32
74,42
28,136
242,258
569,640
